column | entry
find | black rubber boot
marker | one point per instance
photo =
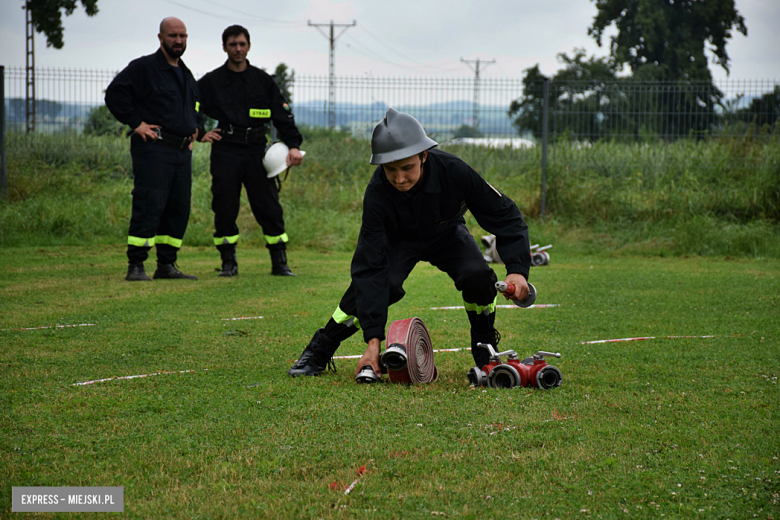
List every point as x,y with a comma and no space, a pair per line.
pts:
169,272
279,260
482,331
229,262
316,357
136,273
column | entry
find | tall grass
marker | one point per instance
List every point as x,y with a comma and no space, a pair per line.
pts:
689,197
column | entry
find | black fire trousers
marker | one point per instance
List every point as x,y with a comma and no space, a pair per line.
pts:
231,170
162,188
454,252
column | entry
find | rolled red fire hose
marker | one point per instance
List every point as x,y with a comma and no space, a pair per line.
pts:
410,339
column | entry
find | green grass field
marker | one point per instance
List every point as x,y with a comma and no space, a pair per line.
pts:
659,428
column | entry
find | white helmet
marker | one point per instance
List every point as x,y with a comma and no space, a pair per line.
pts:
275,159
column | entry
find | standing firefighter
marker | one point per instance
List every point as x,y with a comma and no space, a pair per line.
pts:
157,97
413,211
245,100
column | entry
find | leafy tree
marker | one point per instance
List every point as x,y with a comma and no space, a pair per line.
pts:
666,39
284,80
764,110
47,17
581,87
100,121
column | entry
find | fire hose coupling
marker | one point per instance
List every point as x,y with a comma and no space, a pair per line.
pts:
510,288
367,375
540,256
533,371
394,357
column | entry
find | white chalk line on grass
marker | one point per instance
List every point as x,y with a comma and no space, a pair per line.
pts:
639,339
93,324
56,327
133,377
540,306
581,343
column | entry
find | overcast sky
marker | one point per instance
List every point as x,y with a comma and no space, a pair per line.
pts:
398,38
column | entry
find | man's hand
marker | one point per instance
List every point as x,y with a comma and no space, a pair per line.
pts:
194,137
146,130
295,157
370,357
521,287
212,135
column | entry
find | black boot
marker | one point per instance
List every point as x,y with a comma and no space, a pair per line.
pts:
316,357
279,260
170,272
483,331
229,262
136,273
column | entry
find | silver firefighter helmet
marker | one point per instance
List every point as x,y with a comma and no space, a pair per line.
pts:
398,136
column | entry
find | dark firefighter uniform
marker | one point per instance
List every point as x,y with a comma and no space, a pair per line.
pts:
400,229
245,103
150,89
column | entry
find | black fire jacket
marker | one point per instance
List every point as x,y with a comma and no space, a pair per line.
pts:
149,90
449,187
248,99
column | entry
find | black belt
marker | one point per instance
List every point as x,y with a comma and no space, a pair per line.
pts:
242,134
176,142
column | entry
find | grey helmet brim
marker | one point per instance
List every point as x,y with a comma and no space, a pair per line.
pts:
398,136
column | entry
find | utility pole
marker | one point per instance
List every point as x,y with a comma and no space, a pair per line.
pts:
332,68
475,68
30,71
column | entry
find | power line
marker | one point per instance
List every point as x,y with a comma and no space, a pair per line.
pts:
332,64
425,65
269,21
371,54
259,20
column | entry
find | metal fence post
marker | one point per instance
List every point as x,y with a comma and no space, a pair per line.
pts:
545,119
2,134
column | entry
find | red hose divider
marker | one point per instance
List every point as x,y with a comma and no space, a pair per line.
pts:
412,334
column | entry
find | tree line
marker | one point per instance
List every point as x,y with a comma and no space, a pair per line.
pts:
655,81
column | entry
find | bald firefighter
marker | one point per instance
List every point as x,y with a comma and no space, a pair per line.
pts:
157,96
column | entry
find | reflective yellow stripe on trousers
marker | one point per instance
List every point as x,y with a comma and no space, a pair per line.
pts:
276,240
167,239
342,317
140,241
221,241
481,309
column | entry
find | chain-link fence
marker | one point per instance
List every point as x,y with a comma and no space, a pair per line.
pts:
496,108
631,111
63,98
